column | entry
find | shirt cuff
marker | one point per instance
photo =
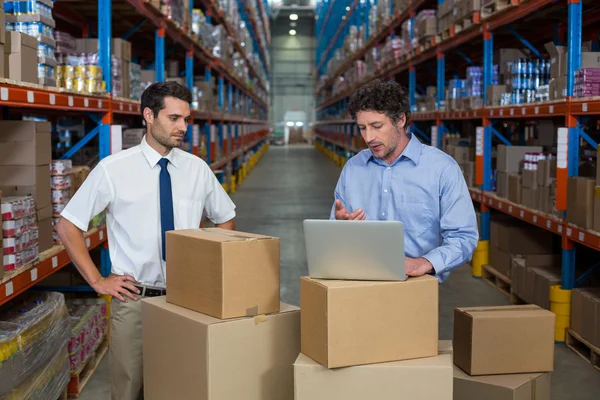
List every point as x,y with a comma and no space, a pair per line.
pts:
75,221
436,261
229,217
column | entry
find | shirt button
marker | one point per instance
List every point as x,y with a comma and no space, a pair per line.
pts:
385,191
389,168
383,214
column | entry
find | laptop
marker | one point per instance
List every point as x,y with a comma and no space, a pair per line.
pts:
355,250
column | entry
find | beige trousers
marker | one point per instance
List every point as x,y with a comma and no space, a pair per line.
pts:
126,372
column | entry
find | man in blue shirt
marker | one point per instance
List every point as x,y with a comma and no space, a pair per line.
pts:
400,179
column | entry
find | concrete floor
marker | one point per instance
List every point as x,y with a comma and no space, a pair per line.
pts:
291,184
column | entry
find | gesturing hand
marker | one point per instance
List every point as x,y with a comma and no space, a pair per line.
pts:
417,266
117,285
343,214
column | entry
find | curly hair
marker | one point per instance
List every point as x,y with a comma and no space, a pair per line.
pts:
384,97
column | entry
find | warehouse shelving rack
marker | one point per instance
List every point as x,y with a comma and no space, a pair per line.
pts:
245,134
339,137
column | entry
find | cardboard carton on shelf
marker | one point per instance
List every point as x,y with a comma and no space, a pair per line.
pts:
580,201
502,260
189,355
529,198
504,339
2,27
222,273
520,238
514,188
596,226
510,158
494,94
544,199
533,386
585,314
45,235
346,323
25,143
1,242
27,181
546,171
502,184
385,381
20,57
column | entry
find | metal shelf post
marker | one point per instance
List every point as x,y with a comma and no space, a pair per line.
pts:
189,81
207,133
221,105
159,54
412,83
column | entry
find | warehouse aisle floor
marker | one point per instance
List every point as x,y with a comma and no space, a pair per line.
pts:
294,183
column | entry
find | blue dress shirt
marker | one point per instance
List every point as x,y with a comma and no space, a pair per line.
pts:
426,190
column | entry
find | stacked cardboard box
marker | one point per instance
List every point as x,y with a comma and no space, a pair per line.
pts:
532,284
223,318
580,201
20,57
546,185
464,9
355,325
25,155
558,66
504,353
2,39
509,163
510,240
596,224
445,15
504,58
585,314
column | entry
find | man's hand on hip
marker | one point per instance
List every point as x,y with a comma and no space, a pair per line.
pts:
117,286
342,214
418,266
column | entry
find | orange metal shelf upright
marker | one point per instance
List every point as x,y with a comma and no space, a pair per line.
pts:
54,260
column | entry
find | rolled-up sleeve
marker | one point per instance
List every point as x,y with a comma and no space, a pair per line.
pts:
218,205
458,224
93,197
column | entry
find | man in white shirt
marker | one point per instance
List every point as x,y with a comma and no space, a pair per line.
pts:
146,190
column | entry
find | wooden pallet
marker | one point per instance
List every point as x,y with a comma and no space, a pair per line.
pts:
583,348
496,7
496,279
81,377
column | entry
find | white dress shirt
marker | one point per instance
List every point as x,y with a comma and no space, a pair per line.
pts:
126,185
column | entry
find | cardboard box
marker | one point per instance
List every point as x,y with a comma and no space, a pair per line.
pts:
580,201
502,184
510,158
546,171
501,387
79,174
514,188
529,197
500,261
461,154
2,27
386,381
556,58
596,226
1,244
518,277
529,179
504,56
189,355
544,199
25,143
546,134
558,88
222,273
20,57
494,94
520,238
2,61
45,237
504,339
543,279
347,323
44,213
27,181
585,314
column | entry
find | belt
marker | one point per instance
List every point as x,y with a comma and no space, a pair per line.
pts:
150,292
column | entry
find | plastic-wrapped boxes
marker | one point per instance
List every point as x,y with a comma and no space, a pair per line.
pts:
20,243
89,325
587,82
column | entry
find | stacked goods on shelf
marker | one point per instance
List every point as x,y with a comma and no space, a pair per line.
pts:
19,231
445,17
73,71
20,58
2,38
34,335
509,164
33,18
89,326
580,201
463,11
425,26
467,94
25,155
261,29
135,80
510,239
61,182
515,361
585,314
1,241
220,319
587,82
463,152
559,66
531,279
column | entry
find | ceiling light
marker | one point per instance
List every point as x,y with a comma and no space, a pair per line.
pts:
294,17
347,8
292,32
344,18
299,123
290,123
293,24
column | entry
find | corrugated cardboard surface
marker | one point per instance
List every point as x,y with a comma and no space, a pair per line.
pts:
45,238
25,143
520,238
27,181
539,284
501,387
410,379
596,226
510,158
545,172
529,179
514,188
504,340
500,260
223,273
502,184
1,244
189,355
544,199
585,314
20,58
347,323
529,197
580,201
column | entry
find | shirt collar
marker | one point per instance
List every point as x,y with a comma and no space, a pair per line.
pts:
412,151
153,156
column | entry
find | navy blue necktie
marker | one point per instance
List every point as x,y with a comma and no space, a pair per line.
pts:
167,220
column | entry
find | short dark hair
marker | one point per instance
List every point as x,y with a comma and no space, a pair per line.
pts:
154,95
384,97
